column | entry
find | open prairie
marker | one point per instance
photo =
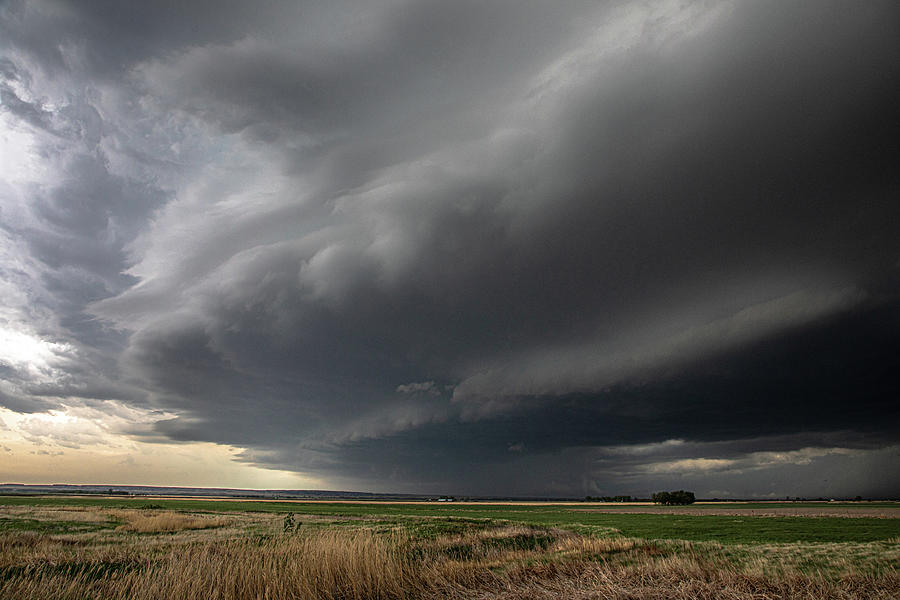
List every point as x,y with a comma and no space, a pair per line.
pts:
847,510
90,547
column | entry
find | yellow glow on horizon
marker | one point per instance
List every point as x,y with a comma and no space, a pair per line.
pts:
62,447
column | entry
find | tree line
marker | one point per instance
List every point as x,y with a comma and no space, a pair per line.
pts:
672,498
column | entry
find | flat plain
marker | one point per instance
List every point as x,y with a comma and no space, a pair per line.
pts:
146,547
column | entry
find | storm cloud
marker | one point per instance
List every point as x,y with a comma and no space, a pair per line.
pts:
482,248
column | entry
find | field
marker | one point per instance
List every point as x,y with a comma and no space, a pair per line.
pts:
97,548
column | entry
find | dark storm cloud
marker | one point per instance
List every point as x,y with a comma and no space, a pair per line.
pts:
428,245
787,394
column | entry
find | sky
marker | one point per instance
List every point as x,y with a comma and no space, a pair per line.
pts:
519,247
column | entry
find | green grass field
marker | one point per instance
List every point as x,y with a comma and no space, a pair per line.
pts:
80,547
727,529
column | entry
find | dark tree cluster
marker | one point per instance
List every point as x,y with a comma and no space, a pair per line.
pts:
680,497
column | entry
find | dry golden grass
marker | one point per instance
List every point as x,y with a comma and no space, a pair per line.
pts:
247,558
325,564
139,522
74,514
677,579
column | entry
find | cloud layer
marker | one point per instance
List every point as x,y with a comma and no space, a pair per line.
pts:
423,246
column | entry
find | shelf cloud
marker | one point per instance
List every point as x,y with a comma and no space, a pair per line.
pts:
473,248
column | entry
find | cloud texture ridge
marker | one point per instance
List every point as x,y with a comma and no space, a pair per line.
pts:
485,248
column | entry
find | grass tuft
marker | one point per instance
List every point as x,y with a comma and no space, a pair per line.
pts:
166,522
